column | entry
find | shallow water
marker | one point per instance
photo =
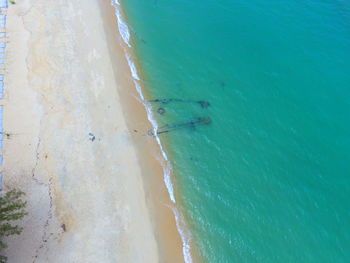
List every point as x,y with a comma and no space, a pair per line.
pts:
268,179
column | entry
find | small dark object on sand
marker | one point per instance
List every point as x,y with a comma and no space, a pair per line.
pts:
92,137
161,111
64,227
150,132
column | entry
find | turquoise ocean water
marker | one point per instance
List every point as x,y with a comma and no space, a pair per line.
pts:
268,180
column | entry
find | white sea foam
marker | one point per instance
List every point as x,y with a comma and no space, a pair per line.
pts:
139,91
122,26
166,164
132,67
185,237
180,224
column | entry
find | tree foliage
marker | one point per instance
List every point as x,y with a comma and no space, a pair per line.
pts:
12,208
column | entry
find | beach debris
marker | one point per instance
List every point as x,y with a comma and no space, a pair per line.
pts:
175,126
204,104
64,227
92,136
161,111
150,132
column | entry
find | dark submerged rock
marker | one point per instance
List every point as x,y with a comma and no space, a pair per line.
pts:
161,111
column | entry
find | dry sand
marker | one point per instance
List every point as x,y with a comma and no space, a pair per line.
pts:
71,148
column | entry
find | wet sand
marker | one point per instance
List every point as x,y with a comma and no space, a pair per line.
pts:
78,142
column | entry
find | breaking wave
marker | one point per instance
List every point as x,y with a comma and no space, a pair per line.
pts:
125,34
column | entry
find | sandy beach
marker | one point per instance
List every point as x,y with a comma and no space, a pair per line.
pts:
78,144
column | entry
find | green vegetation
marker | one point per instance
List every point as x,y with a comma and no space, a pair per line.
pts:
12,208
8,135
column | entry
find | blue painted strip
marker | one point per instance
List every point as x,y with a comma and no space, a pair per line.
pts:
3,4
1,126
1,89
2,21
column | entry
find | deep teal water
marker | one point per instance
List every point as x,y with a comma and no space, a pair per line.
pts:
269,179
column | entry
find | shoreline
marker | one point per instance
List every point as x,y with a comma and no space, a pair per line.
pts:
92,184
160,158
148,149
